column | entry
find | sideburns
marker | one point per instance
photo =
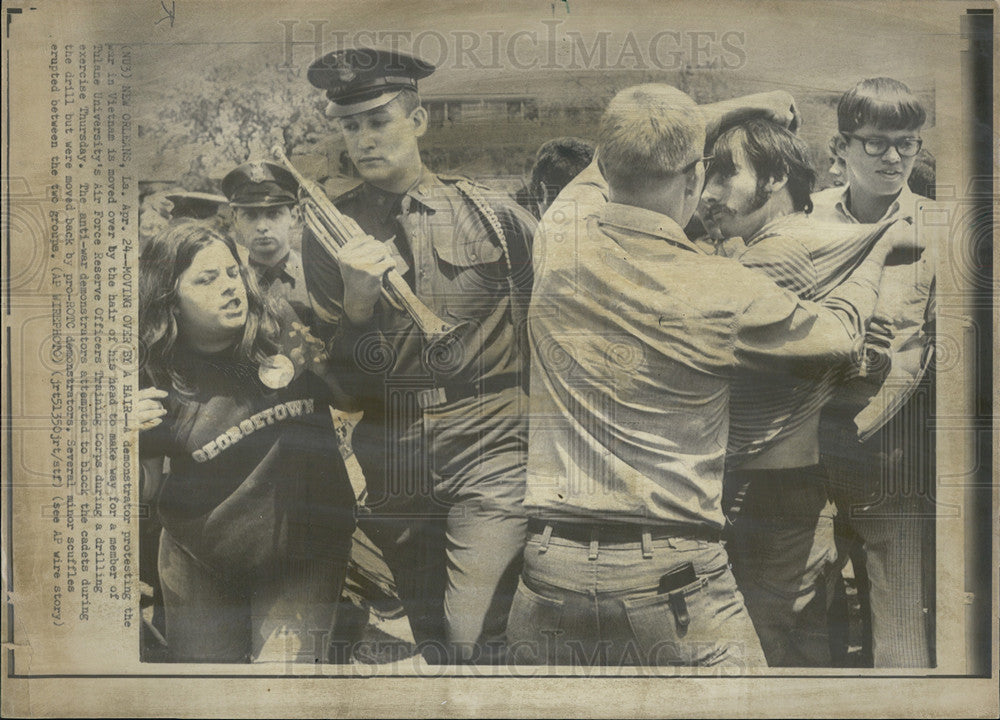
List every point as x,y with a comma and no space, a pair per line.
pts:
761,195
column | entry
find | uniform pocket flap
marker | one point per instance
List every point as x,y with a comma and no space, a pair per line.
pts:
466,247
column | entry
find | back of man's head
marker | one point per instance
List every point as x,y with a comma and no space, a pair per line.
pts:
881,102
557,162
648,133
773,152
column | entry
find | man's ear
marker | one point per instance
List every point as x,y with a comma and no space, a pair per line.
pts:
840,146
295,213
694,181
774,184
419,119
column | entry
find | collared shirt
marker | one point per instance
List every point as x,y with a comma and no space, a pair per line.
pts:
454,265
286,280
903,315
727,247
810,258
831,205
635,334
583,197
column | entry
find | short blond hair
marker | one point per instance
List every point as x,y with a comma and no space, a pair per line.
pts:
649,132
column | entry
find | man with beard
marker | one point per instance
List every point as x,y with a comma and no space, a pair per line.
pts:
632,354
782,544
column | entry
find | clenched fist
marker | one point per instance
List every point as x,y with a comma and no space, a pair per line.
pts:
363,262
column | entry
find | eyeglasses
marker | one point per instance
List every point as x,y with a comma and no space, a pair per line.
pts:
877,146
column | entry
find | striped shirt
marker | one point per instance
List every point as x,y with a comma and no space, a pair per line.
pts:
635,335
809,258
799,253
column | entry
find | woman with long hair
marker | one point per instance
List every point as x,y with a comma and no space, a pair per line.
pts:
256,507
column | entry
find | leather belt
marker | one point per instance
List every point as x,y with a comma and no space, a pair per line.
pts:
452,392
620,533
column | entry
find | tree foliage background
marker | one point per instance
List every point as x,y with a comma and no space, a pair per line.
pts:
195,127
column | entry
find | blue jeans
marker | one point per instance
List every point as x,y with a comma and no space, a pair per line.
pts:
884,490
598,604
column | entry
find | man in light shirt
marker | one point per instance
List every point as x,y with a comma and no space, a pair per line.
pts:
635,334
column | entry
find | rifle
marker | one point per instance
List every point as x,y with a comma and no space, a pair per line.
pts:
333,229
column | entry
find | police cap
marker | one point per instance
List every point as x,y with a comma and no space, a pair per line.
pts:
260,184
197,205
361,79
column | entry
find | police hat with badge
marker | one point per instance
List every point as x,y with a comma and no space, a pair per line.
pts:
360,79
260,184
195,205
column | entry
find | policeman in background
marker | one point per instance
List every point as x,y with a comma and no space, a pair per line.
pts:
444,439
195,205
265,217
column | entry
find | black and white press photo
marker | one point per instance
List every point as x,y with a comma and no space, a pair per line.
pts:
508,356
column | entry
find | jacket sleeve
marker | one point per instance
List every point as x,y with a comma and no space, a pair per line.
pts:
345,342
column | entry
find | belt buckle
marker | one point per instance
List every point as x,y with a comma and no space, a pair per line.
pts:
431,397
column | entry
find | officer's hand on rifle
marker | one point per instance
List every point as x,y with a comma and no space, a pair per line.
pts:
363,262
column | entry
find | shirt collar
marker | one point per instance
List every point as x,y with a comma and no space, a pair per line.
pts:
421,193
646,222
906,202
781,223
284,268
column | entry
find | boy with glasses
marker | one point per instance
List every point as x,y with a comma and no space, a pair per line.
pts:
879,123
879,455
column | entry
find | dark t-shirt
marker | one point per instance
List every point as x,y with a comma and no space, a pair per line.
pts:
256,478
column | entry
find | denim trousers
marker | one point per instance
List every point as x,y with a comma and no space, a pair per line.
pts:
580,604
784,559
885,492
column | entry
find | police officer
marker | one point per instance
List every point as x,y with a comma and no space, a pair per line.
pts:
444,439
194,205
263,197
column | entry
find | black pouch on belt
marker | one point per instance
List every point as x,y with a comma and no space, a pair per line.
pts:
673,581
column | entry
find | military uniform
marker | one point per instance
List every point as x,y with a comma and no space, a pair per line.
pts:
262,185
286,282
444,438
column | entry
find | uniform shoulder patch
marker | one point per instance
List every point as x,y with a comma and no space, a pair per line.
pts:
488,192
